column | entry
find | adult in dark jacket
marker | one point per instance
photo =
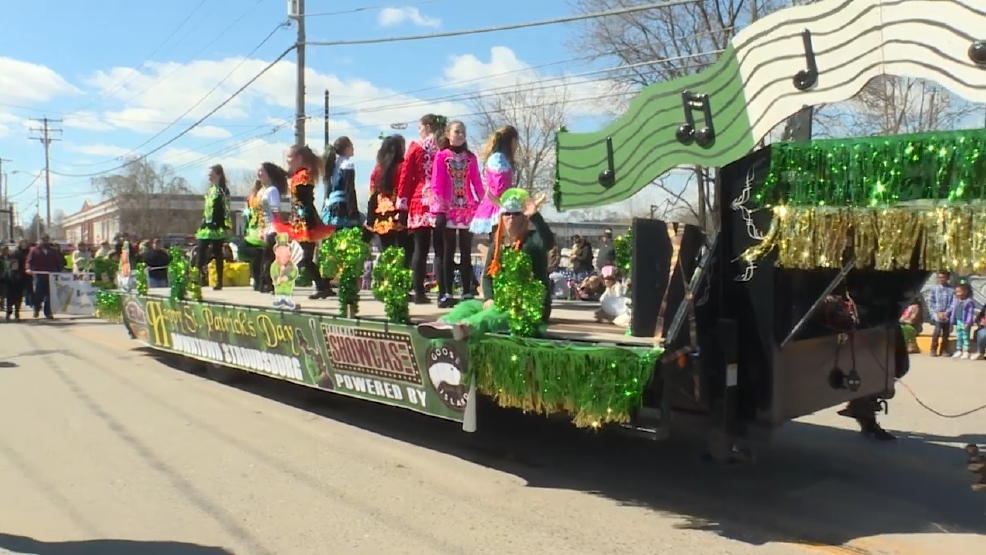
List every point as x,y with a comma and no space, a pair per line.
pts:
42,261
581,257
157,259
606,254
16,277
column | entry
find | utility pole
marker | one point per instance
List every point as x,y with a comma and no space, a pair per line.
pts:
296,11
4,179
44,135
327,143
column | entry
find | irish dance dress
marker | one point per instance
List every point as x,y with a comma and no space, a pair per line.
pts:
340,208
216,216
381,210
255,220
414,187
304,225
499,178
456,186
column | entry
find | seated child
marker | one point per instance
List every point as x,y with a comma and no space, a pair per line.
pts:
613,301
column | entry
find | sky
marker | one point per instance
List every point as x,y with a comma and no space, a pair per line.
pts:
126,77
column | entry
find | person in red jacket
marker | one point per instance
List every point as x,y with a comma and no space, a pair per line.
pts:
414,195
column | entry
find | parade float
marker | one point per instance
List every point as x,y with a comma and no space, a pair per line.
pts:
791,308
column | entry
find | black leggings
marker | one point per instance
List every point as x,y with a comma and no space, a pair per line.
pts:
308,263
419,259
257,256
445,260
266,259
216,246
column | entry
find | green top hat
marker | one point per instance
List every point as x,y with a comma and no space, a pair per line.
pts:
512,201
282,239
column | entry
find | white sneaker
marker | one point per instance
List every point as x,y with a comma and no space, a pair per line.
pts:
966,356
957,354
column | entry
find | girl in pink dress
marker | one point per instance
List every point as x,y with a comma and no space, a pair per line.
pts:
499,174
414,197
456,189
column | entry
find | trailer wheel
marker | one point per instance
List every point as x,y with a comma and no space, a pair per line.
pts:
222,374
724,449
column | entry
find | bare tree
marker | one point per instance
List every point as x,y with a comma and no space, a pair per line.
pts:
241,182
891,105
57,224
537,115
152,200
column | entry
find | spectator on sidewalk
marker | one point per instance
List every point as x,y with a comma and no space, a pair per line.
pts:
156,259
911,323
940,300
81,260
43,261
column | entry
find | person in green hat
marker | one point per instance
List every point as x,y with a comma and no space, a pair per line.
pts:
520,227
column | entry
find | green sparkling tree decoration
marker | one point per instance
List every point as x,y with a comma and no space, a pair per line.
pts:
391,283
178,275
343,255
623,247
142,285
195,284
516,292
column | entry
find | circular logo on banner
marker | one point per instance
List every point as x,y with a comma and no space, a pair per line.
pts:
446,377
136,320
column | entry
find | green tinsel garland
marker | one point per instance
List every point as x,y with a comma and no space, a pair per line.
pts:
105,269
344,255
596,385
391,282
141,278
178,275
941,166
195,284
109,305
516,292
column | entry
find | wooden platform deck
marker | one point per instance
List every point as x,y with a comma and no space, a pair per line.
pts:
570,320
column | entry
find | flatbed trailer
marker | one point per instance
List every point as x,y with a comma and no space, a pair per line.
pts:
789,308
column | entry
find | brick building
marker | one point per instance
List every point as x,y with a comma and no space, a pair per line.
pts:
147,216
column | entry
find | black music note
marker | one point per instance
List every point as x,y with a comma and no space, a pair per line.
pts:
687,132
807,77
977,52
607,177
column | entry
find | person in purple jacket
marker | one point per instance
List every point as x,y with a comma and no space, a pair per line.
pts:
962,316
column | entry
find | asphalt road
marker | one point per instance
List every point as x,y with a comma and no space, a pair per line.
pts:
106,449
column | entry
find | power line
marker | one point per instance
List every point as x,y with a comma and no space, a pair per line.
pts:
198,122
369,9
497,29
131,75
539,85
204,97
215,39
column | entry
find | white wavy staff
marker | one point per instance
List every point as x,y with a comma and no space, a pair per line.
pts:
855,41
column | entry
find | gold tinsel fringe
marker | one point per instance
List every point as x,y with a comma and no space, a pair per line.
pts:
949,238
